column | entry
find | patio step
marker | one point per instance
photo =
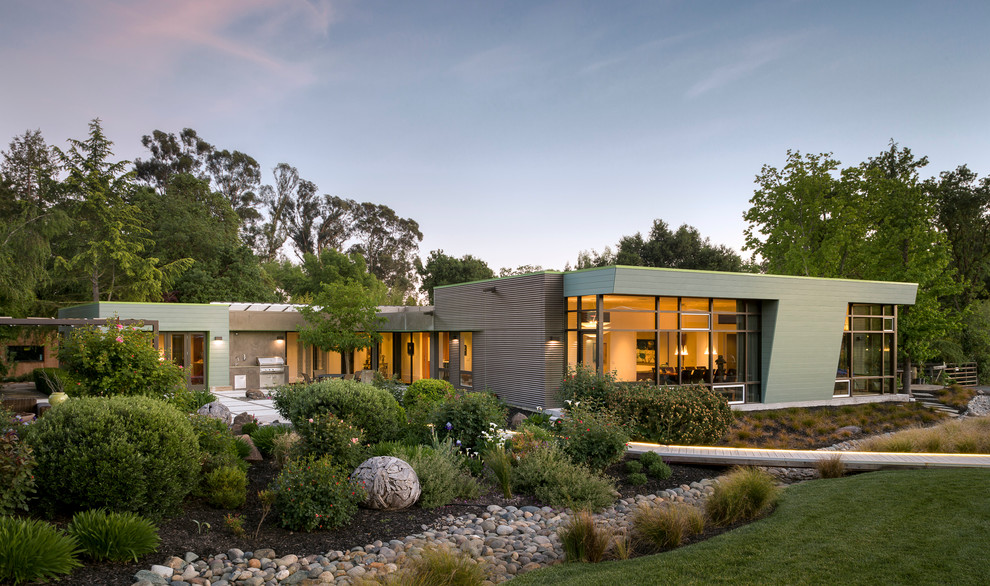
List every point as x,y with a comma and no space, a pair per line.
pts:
928,400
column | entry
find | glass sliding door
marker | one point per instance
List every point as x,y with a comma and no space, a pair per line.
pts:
188,351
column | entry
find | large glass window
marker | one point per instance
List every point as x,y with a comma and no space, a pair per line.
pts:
867,363
669,340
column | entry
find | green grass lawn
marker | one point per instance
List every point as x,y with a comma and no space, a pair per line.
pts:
888,527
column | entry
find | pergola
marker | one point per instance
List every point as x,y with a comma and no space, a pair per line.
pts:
77,322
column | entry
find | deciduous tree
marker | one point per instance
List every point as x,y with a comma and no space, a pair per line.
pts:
342,318
442,269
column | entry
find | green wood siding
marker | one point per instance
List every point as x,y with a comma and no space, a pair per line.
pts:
175,317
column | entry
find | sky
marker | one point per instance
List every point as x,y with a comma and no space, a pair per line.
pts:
520,132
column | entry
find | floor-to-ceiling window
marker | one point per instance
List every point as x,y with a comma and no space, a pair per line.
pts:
867,358
669,340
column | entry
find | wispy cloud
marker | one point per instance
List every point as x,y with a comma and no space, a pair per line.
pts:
749,58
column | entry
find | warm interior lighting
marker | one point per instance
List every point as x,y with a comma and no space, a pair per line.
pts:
280,338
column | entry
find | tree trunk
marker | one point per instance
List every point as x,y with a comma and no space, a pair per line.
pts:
907,375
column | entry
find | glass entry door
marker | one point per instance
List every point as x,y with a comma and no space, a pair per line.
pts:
188,350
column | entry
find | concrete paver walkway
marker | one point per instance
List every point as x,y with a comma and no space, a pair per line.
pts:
806,458
262,409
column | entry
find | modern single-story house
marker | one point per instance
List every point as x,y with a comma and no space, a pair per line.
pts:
754,338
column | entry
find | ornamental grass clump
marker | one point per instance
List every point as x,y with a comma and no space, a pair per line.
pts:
499,461
742,495
109,535
583,539
831,467
685,415
440,566
34,550
264,437
123,453
315,493
666,525
593,439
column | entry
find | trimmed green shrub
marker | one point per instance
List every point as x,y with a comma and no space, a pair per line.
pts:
327,435
314,493
264,437
468,417
109,535
685,415
441,472
585,385
16,466
124,453
549,475
659,470
226,487
427,390
50,380
636,478
745,493
647,459
217,444
634,466
34,550
594,439
373,410
119,360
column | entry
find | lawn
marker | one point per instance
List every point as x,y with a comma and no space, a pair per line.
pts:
889,527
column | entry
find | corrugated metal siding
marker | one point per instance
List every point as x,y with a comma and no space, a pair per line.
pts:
511,326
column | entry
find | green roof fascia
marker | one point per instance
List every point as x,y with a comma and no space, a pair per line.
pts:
762,275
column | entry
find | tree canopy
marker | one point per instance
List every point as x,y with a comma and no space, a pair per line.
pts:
442,269
342,318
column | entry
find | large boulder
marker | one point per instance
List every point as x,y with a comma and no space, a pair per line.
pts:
391,483
216,410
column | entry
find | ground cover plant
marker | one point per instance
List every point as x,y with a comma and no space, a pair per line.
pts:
958,436
877,528
818,427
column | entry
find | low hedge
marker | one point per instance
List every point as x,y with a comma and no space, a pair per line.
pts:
684,415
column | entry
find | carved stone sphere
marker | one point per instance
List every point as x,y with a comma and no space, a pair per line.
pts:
391,483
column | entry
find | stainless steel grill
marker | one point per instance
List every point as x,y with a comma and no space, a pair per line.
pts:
271,371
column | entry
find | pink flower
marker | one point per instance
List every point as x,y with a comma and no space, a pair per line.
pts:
120,338
311,420
354,440
120,326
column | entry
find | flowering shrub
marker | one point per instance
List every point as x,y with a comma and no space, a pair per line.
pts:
373,410
124,453
529,438
16,465
583,383
119,360
314,493
327,435
218,446
468,416
594,439
687,415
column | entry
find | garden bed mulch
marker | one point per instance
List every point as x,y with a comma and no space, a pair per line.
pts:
182,534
